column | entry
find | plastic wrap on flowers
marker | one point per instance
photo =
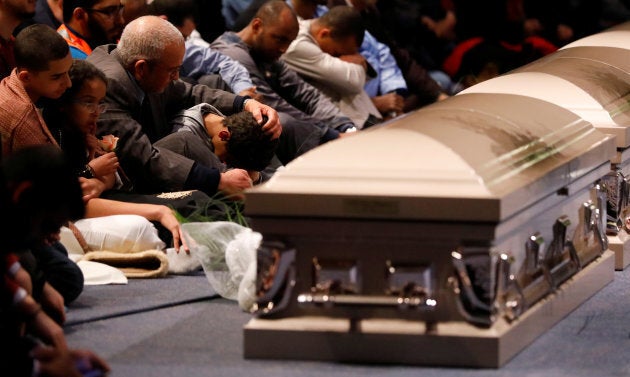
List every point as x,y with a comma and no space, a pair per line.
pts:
227,253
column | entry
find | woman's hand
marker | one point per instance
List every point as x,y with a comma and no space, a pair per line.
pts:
169,221
91,187
104,165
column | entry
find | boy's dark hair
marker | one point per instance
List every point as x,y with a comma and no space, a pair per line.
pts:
177,11
80,72
70,5
37,45
344,22
249,147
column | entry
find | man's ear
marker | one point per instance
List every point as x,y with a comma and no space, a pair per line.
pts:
80,14
24,75
19,189
140,69
163,16
257,24
323,32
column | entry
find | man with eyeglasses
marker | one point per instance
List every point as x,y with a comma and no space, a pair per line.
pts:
90,23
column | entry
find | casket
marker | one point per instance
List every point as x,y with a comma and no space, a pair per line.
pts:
453,235
616,36
594,83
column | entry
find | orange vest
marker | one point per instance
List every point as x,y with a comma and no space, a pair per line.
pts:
73,40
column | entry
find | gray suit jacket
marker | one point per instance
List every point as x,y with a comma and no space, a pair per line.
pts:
151,168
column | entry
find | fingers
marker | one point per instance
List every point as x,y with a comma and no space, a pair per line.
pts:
181,241
234,182
272,125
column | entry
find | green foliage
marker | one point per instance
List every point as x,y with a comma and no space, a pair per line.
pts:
219,208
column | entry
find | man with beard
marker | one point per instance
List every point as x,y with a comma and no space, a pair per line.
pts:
302,108
90,23
12,13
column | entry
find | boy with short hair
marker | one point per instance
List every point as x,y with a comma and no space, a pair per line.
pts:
42,60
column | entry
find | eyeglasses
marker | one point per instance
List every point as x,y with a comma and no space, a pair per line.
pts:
111,12
92,107
172,71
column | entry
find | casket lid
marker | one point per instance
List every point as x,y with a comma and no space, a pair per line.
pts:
603,72
616,36
561,92
473,157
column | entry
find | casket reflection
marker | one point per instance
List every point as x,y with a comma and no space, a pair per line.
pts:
453,226
594,83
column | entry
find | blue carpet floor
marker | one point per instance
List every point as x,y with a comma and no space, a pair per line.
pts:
191,332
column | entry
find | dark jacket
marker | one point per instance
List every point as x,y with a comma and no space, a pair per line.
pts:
282,88
153,169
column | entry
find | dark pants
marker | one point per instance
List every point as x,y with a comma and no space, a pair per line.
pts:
50,263
297,138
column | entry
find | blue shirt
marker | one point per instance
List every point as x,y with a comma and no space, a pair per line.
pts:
199,61
389,77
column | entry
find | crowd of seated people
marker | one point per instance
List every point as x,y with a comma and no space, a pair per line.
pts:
205,99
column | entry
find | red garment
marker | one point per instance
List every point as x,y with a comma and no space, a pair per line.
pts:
454,60
21,124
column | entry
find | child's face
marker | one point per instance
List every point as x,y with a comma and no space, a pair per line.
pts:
83,111
51,83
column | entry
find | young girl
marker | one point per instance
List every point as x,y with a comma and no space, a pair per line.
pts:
72,120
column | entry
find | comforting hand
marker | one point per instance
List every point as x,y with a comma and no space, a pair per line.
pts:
92,188
273,126
233,182
105,165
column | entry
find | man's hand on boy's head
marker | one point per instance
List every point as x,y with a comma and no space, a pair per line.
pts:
272,126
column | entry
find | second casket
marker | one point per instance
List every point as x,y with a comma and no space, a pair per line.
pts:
616,36
452,236
594,83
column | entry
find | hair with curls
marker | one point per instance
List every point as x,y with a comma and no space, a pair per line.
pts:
36,46
249,147
80,72
146,38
